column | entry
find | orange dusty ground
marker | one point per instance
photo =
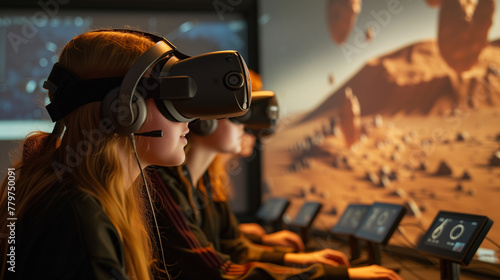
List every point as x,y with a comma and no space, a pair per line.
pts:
402,144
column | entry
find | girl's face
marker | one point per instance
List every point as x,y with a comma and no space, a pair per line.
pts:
226,138
164,151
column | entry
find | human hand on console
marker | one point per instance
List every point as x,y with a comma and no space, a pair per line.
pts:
252,228
372,272
325,256
284,238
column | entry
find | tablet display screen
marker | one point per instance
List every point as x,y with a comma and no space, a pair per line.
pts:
273,209
455,236
380,222
351,219
306,214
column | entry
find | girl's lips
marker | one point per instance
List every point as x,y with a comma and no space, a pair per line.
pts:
183,137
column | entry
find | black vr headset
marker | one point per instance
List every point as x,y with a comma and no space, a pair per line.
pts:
263,115
260,120
208,86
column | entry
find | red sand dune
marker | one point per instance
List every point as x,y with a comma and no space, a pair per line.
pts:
416,80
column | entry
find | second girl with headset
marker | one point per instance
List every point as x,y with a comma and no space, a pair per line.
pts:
200,232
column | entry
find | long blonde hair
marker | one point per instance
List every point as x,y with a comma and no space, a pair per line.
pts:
95,168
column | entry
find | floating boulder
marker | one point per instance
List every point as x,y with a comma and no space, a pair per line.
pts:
369,33
433,3
463,31
341,17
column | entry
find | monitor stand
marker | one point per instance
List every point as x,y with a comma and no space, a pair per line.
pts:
304,234
373,250
354,248
449,270
277,225
374,253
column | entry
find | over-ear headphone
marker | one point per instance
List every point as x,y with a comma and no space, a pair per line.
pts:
127,108
203,127
123,106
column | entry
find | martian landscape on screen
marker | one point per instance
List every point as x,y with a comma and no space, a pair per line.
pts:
418,125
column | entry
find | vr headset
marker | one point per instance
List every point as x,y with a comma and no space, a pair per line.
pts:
263,115
208,86
259,120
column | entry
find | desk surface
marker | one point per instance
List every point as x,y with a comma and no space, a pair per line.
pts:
410,267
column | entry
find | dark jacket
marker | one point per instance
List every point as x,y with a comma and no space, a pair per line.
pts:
68,237
194,236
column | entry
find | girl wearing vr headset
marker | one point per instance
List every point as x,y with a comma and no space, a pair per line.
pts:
76,206
77,203
200,231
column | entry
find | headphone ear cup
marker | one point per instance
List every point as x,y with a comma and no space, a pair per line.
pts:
119,117
203,127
